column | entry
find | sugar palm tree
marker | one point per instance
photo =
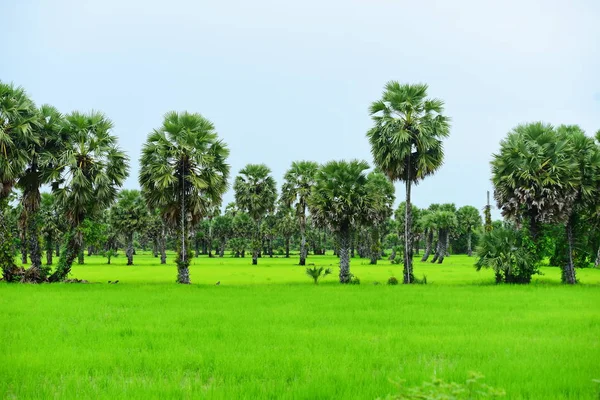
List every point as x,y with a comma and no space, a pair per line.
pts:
406,143
381,191
129,215
299,180
17,118
534,176
341,200
255,193
586,154
88,172
184,172
48,140
468,219
444,222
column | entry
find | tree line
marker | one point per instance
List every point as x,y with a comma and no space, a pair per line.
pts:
544,178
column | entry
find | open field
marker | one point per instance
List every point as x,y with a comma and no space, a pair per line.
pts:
268,332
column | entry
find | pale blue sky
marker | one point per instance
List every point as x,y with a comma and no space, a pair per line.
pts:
284,81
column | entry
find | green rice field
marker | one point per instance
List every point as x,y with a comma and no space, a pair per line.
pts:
267,331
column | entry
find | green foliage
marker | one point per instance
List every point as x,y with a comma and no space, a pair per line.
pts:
354,280
392,280
504,250
438,389
317,272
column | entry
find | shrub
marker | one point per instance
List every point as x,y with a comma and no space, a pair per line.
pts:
422,281
392,281
354,280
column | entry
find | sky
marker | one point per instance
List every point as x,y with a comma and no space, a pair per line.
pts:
285,81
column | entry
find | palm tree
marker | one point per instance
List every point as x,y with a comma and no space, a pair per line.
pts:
183,173
299,180
255,193
88,171
444,221
468,219
17,118
129,215
534,176
222,230
382,192
48,139
52,225
286,226
341,200
586,154
406,143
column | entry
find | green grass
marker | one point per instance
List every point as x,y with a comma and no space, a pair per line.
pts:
268,332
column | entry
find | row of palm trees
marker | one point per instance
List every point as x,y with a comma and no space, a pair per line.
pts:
184,174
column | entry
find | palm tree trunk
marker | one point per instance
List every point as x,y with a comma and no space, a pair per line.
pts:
287,247
31,204
428,244
49,257
568,274
303,249
155,247
447,246
375,246
469,250
23,249
438,247
71,251
80,256
443,246
597,262
344,241
408,240
129,251
57,249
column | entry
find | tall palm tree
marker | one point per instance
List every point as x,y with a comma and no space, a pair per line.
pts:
299,180
129,215
17,118
382,193
586,154
468,219
534,176
89,170
255,193
183,173
406,143
48,140
341,200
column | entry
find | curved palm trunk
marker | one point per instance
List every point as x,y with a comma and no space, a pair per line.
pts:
129,251
31,204
443,245
568,273
428,244
408,240
438,247
344,241
71,251
447,246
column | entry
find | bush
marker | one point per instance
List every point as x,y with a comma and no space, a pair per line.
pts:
422,281
392,281
354,280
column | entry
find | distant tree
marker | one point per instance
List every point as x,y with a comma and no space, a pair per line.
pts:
255,192
183,173
130,216
468,219
90,169
444,222
341,200
381,191
286,226
222,230
406,143
299,180
243,229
